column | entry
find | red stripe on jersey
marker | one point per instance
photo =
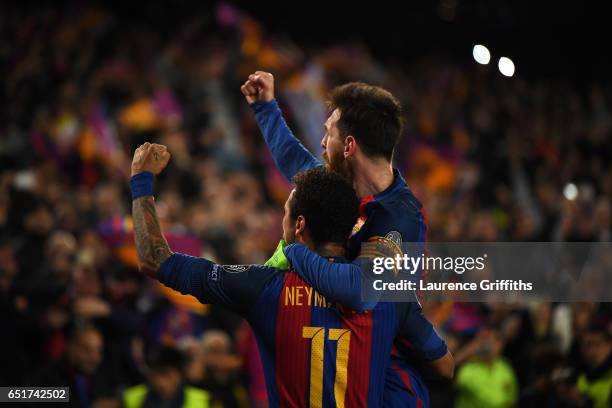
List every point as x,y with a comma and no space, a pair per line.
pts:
408,384
292,352
405,378
360,351
363,217
363,202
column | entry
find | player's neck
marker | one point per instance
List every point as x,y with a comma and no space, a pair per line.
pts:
371,176
331,250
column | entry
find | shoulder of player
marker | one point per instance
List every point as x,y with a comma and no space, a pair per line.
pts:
406,312
395,215
405,308
402,203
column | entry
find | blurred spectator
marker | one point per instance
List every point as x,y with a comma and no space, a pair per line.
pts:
165,385
486,380
18,357
218,371
595,379
80,368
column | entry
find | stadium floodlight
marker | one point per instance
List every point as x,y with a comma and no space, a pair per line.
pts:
506,66
481,54
570,191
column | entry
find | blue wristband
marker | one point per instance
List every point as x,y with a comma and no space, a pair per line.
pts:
142,185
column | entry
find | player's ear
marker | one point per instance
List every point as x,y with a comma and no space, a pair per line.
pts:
350,146
300,225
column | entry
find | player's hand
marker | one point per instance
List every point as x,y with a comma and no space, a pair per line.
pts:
259,87
151,157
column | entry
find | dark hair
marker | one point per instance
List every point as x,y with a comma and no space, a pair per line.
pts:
371,114
328,203
164,358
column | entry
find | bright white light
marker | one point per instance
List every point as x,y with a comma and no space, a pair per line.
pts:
506,66
570,191
481,54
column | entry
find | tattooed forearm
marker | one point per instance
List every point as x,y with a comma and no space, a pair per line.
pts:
151,245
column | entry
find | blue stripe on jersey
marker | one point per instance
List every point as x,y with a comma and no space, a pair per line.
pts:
383,328
262,319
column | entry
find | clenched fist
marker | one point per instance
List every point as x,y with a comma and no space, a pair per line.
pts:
259,87
151,157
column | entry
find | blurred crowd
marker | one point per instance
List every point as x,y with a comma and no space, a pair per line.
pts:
491,158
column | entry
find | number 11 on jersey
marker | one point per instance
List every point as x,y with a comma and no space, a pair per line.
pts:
317,336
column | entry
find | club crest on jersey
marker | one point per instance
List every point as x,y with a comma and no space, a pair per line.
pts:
236,268
395,237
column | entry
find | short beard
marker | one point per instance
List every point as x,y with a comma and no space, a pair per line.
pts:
341,167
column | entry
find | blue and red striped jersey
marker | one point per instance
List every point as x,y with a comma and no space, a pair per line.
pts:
315,353
394,215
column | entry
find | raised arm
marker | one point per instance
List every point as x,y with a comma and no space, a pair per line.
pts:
288,152
151,245
236,287
232,286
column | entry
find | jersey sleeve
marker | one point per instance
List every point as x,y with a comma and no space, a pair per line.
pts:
236,287
339,282
343,283
416,335
288,152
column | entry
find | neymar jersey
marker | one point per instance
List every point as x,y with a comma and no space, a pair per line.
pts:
315,353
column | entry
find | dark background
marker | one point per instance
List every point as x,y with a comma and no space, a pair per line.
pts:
546,39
